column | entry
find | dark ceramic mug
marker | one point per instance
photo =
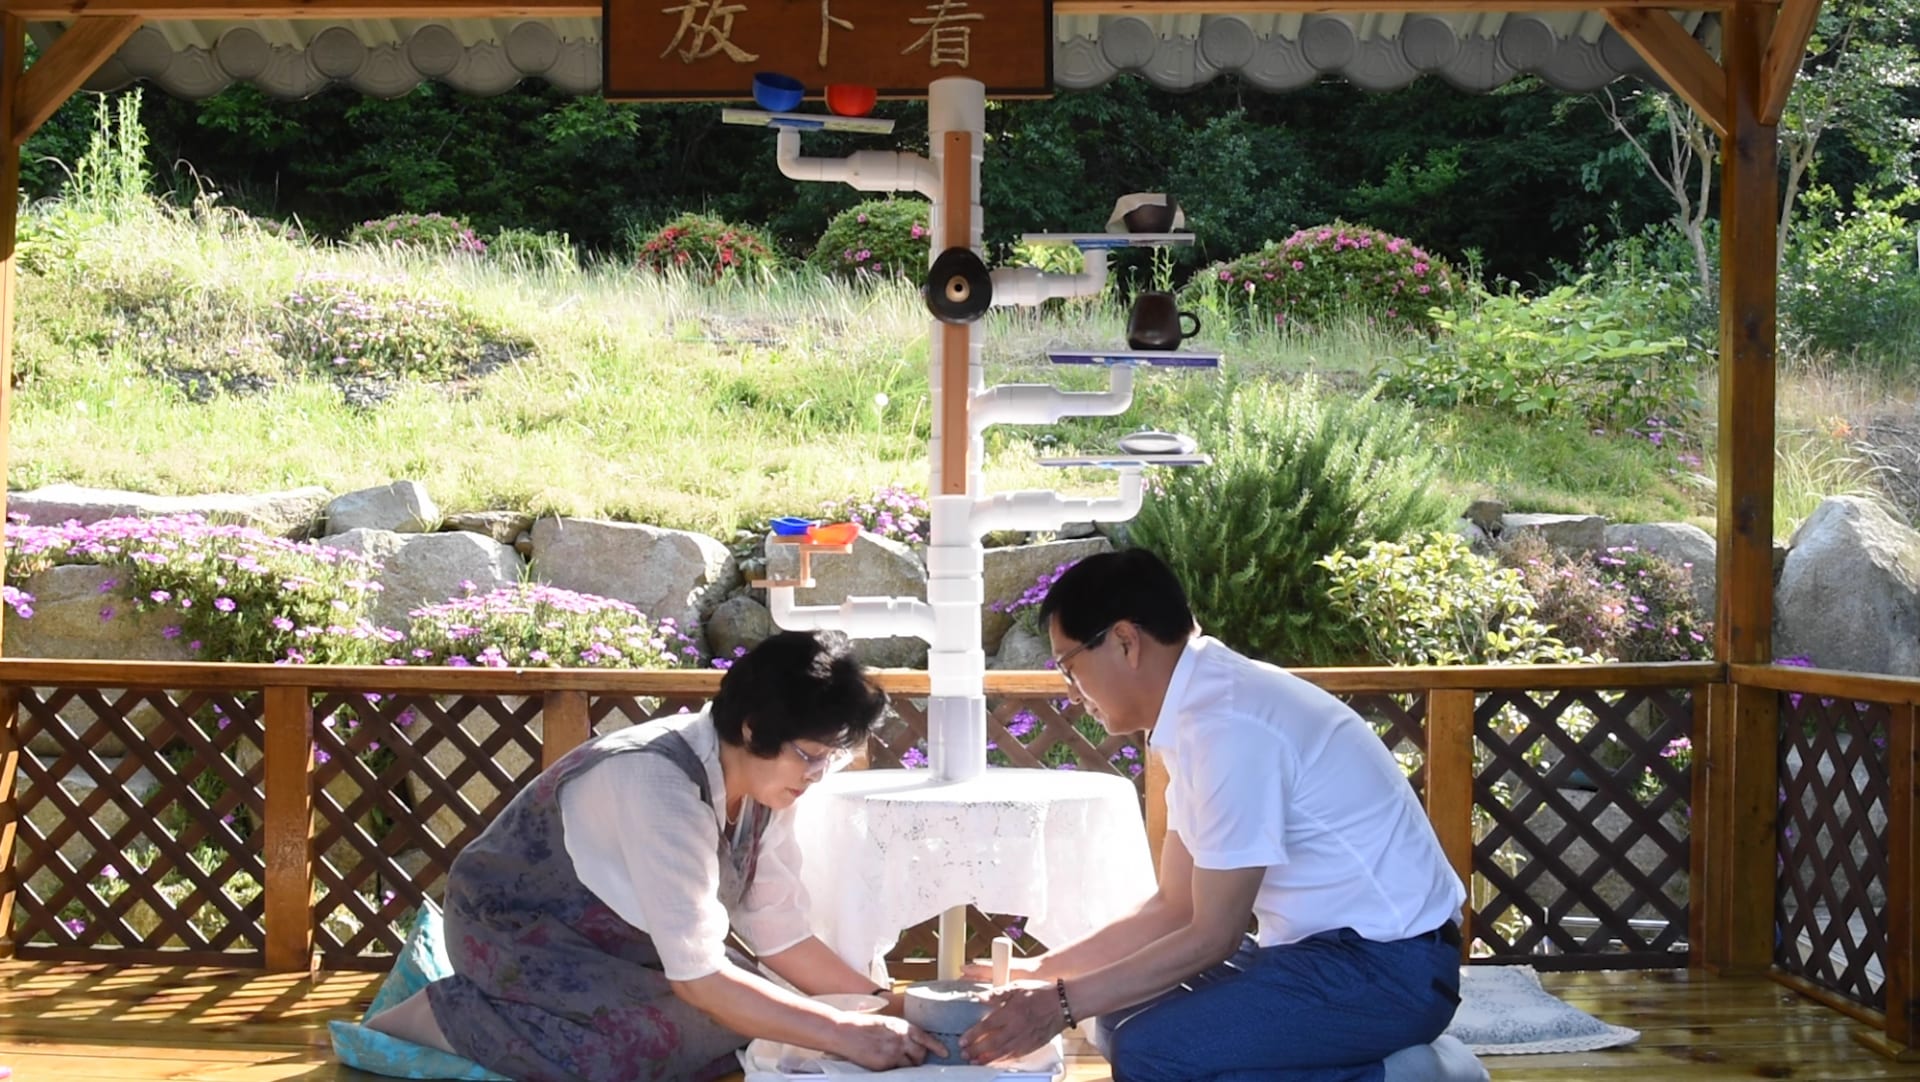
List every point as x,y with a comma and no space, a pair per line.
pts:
1158,323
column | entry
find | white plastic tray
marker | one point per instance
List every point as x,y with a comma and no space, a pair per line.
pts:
1108,240
760,118
1127,462
1159,358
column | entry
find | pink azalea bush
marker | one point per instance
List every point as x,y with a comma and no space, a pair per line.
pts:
706,247
886,237
1332,272
433,232
536,626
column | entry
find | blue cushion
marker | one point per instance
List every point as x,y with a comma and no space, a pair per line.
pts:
422,961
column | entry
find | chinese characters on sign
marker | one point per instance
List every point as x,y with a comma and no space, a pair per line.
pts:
709,49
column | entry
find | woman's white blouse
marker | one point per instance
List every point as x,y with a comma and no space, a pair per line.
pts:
643,842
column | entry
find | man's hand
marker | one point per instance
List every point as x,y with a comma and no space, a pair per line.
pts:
880,1042
1024,1016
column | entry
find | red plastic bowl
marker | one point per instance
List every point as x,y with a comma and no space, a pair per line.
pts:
840,533
850,99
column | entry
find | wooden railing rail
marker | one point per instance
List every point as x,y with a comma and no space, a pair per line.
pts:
1437,717
1848,734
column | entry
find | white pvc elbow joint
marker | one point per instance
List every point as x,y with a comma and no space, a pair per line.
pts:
1027,285
858,617
1043,404
866,170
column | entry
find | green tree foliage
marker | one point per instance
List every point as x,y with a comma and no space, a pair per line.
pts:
1296,476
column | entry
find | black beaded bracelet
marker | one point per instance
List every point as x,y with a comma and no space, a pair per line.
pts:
883,993
1066,1011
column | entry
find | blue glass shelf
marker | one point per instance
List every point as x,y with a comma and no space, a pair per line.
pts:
1160,358
1085,241
760,118
1128,462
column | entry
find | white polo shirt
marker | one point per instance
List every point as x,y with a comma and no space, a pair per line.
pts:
643,842
1267,770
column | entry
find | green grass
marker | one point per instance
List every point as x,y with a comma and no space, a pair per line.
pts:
693,405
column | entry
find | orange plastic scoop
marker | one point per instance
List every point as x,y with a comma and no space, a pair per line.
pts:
838,533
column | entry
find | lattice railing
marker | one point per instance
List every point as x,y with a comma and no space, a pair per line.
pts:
1582,803
1835,801
396,770
139,831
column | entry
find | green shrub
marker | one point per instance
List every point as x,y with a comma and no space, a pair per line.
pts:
1567,352
530,625
49,240
704,246
1295,477
432,232
1850,284
338,325
1624,603
530,249
1333,272
1434,601
880,236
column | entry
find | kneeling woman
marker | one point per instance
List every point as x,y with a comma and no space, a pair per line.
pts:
587,925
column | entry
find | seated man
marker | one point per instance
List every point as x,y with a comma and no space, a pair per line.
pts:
1282,806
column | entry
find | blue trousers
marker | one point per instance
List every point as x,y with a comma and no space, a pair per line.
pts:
1329,1008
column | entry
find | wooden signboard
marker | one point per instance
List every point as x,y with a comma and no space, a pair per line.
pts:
709,49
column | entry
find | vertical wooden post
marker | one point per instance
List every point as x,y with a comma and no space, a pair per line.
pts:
956,339
1701,820
1749,196
563,725
1450,787
289,829
1156,805
1903,875
9,812
13,46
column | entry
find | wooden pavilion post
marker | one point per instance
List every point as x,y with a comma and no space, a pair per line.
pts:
1745,728
13,44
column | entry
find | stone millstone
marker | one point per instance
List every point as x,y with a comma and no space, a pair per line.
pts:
947,1009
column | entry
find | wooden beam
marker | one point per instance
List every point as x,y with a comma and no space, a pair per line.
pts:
1701,822
64,66
956,339
1786,50
564,725
13,50
1903,872
1156,806
1683,63
288,838
171,10
1450,789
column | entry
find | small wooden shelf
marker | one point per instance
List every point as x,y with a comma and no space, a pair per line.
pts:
803,580
1127,462
1158,358
760,118
1086,241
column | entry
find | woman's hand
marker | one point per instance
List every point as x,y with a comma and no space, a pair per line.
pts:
880,1042
1024,1016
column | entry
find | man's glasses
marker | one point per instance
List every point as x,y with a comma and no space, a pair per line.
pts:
1092,642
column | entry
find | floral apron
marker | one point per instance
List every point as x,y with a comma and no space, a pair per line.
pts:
550,984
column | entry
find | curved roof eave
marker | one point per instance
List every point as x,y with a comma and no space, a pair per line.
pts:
1477,52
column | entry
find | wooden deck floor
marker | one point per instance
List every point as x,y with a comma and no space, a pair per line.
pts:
88,1023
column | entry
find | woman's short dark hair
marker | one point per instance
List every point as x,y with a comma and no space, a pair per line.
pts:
797,685
1107,587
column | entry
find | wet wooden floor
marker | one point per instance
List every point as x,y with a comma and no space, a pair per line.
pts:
71,1022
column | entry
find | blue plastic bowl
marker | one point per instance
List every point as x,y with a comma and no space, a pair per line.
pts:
791,526
777,93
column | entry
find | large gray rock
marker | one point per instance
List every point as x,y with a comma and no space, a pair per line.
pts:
403,507
664,573
739,623
877,567
1849,596
503,526
1677,542
68,622
1568,533
293,513
1022,650
1011,570
426,569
